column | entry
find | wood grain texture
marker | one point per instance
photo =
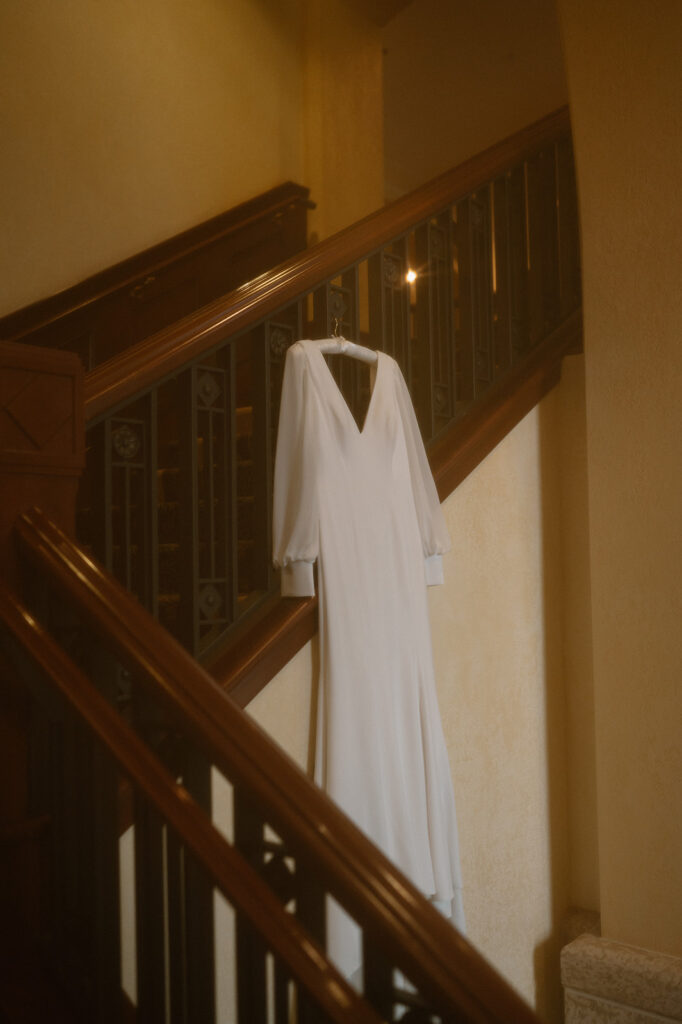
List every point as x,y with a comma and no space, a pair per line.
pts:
139,367
449,972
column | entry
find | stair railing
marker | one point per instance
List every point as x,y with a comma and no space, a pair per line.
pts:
460,281
115,696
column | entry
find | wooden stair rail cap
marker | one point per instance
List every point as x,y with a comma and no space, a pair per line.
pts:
119,379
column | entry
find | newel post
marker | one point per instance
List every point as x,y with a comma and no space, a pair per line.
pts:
42,454
42,438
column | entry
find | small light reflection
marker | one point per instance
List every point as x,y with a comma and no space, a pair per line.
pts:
411,276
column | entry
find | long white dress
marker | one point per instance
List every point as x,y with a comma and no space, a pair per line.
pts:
362,502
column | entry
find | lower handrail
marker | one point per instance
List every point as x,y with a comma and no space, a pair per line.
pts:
447,970
231,873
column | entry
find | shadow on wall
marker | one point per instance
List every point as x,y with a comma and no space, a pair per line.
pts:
571,792
548,994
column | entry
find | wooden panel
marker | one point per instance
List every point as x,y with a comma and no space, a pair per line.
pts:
123,304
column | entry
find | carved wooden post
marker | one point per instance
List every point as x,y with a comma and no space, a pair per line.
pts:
42,452
42,438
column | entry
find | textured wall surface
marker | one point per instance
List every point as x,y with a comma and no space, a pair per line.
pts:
624,66
460,76
125,123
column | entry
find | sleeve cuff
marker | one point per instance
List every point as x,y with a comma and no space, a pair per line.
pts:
433,566
298,580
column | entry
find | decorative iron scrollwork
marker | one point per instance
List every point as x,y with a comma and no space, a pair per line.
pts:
210,601
279,341
208,389
337,304
440,399
392,274
476,214
482,363
126,442
436,241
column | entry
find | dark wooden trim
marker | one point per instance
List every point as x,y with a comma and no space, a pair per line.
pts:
22,831
450,973
240,883
250,660
141,365
263,645
152,260
464,445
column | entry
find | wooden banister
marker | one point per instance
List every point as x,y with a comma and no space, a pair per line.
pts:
119,306
123,376
447,970
232,874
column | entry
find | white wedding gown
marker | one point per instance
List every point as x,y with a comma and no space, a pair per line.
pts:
364,505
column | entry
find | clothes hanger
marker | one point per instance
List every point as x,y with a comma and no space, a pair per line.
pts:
337,344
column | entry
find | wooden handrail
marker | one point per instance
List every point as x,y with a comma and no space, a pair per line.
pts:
31,318
446,968
236,879
265,644
120,378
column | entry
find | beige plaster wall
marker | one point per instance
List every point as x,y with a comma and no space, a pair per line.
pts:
343,115
577,638
498,628
125,123
460,76
624,66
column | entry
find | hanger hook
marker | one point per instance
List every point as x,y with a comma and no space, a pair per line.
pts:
335,330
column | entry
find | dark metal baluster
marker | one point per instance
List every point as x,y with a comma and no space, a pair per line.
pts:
432,356
176,931
279,337
311,910
389,299
198,900
102,812
375,283
542,244
151,876
149,914
568,236
422,352
474,341
152,554
502,329
214,587
320,324
251,951
107,933
260,441
378,977
517,242
188,498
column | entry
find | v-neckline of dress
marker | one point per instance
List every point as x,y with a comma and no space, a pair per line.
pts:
339,394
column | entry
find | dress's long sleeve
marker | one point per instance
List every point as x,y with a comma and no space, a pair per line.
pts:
434,532
295,526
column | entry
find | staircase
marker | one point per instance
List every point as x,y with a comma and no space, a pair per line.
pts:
174,505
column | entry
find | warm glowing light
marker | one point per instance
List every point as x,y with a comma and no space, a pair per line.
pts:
411,276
